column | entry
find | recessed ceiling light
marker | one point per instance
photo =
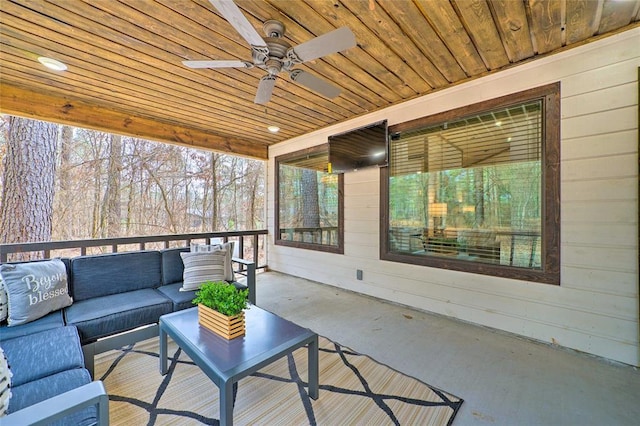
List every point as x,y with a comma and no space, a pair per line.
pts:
273,129
52,63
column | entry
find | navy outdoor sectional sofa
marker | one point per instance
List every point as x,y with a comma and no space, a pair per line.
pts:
118,299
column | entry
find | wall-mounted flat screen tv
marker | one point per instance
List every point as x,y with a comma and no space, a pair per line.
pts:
359,148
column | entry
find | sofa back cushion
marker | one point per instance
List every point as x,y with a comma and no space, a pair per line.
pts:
102,275
172,266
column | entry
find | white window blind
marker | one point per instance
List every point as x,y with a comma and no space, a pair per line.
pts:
470,188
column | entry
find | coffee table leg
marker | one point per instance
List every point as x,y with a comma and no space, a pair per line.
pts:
226,403
163,351
313,368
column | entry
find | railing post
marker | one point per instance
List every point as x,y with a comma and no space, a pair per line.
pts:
534,241
251,281
513,248
255,249
241,247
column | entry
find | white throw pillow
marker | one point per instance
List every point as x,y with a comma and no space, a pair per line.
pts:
201,267
228,246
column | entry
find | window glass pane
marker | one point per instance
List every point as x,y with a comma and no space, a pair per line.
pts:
470,189
309,203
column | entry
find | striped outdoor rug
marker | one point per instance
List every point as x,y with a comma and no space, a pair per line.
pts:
354,389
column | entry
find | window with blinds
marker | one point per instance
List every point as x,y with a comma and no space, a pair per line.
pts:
471,188
309,201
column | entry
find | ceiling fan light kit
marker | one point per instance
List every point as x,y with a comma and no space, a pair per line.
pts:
274,54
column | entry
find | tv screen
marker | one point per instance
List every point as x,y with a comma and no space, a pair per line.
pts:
359,148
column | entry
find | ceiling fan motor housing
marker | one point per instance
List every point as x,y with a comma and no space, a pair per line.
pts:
273,62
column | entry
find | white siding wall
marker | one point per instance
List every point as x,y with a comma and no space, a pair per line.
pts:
595,309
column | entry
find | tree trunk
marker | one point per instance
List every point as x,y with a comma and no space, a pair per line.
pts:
215,191
478,178
130,188
26,209
111,206
95,140
66,139
63,224
310,204
252,189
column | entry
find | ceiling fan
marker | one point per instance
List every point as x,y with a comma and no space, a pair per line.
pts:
273,54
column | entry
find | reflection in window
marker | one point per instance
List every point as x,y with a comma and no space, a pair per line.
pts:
470,190
309,203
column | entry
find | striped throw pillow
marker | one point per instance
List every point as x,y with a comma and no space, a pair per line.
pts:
202,267
228,246
4,307
5,384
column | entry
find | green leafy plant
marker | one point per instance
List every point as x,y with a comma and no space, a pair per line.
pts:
222,297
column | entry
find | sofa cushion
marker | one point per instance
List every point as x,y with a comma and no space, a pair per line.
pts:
103,316
202,267
172,266
53,320
50,386
239,286
181,299
103,275
35,289
38,355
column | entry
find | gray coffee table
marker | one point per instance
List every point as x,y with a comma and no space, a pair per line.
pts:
268,337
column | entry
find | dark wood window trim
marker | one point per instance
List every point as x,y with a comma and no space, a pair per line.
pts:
339,249
550,272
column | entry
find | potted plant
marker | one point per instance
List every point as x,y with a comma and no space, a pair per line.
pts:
221,308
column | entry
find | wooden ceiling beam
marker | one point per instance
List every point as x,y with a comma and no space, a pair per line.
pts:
20,101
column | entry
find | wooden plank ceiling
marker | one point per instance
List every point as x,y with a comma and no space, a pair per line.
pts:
125,74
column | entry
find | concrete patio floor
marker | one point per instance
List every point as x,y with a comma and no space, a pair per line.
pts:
503,379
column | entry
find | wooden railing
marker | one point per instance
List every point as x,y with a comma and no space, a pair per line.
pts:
255,246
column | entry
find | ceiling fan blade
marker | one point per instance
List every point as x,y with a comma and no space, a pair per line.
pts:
326,44
315,83
232,13
265,89
217,64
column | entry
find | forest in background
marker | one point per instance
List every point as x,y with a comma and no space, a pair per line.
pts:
83,183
